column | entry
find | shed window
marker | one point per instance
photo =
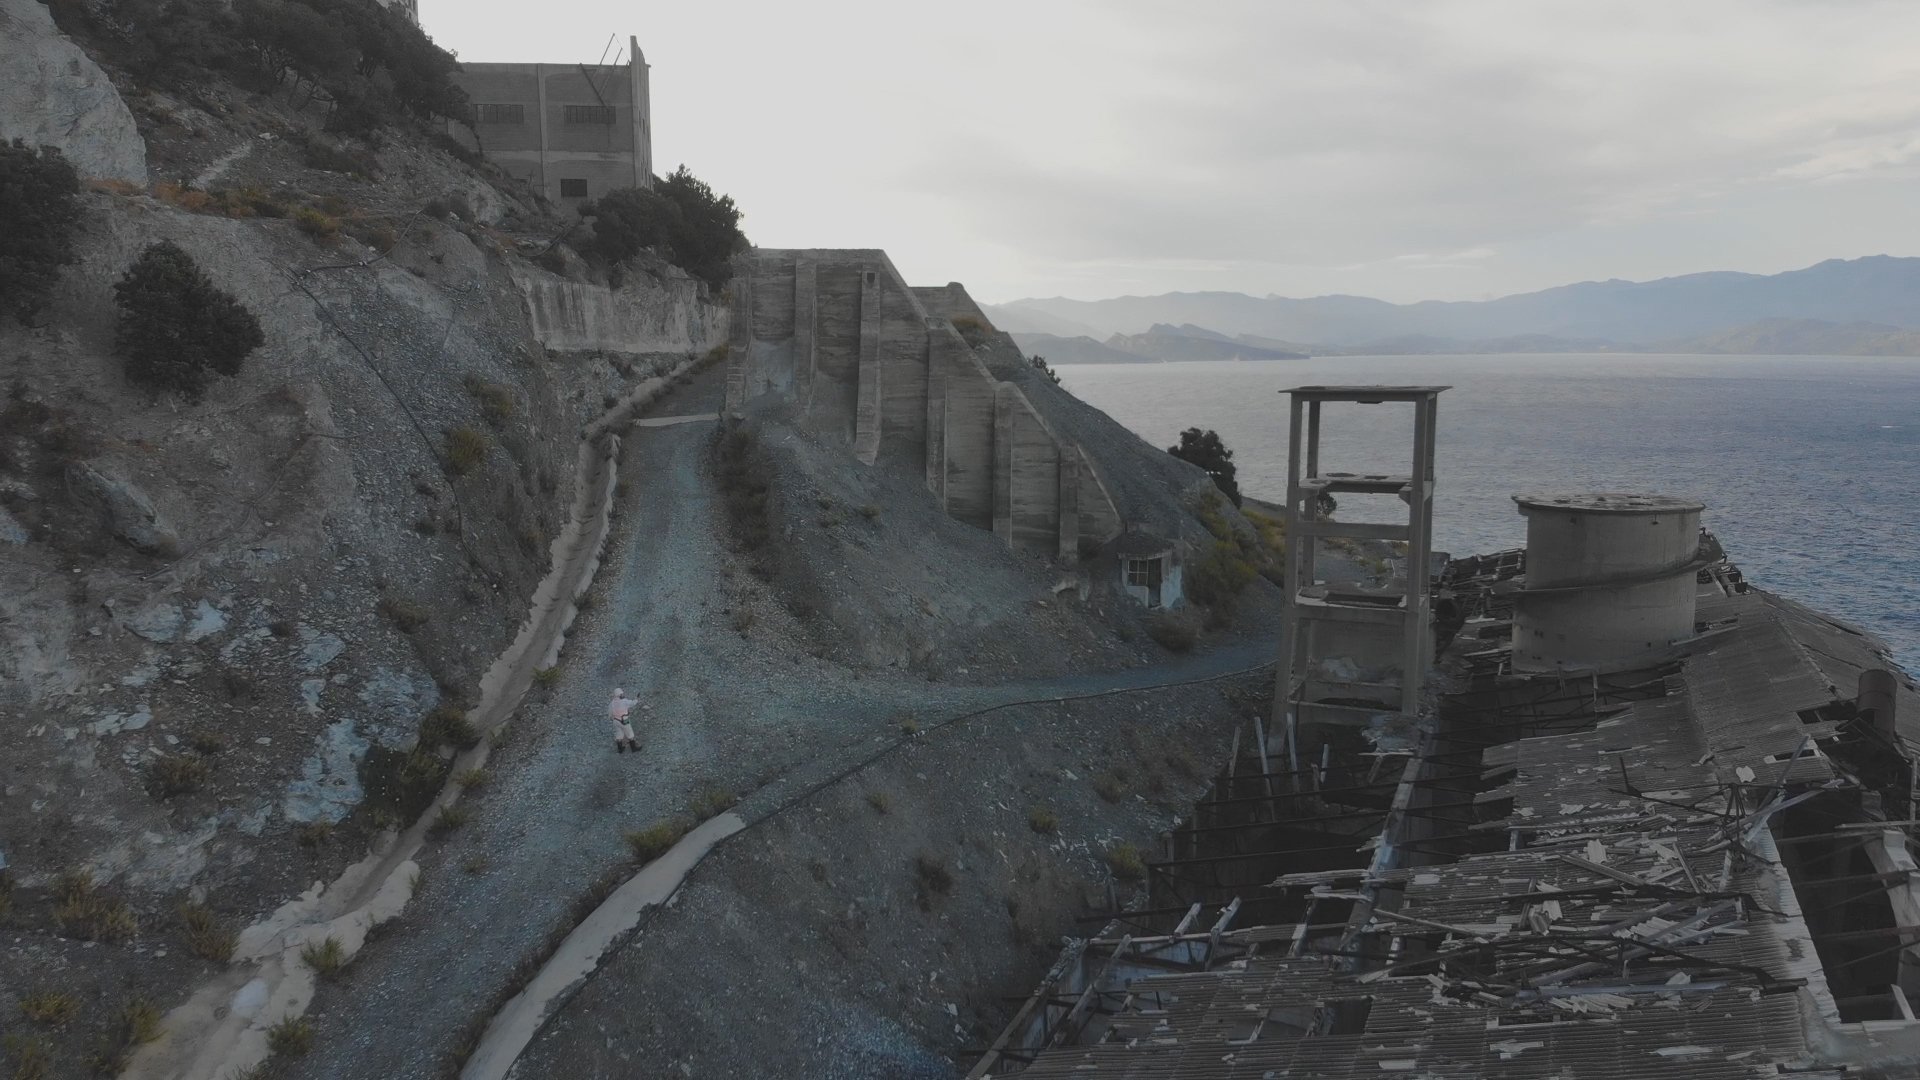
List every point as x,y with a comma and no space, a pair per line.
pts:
499,114
1138,570
589,114
573,189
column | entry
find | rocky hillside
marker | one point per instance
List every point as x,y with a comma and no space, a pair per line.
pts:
224,621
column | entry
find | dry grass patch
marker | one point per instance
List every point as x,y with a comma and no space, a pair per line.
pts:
1042,820
32,1057
83,911
325,957
208,939
655,840
880,801
292,1037
547,678
931,879
466,448
1112,784
49,1007
448,819
495,400
1125,862
472,779
448,726
177,774
406,615
140,1022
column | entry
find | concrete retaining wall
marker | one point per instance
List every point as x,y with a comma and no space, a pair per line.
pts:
861,355
652,317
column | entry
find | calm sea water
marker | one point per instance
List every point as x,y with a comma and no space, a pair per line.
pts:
1809,466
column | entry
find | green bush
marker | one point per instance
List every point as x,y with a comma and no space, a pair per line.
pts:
1204,448
1126,863
696,229
38,211
1175,633
1218,577
177,329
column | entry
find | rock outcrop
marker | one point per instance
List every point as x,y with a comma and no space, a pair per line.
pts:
52,94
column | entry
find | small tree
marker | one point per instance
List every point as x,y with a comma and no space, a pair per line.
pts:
37,214
177,329
681,217
1204,448
1040,362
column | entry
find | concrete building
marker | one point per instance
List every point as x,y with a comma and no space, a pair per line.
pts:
409,8
839,336
573,132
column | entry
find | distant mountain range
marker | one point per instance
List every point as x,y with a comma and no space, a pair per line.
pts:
1867,306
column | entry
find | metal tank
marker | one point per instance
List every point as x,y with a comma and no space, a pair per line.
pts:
1609,580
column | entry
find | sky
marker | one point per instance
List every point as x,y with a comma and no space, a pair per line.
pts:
1404,149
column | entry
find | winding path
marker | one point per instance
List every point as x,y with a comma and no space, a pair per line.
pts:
550,822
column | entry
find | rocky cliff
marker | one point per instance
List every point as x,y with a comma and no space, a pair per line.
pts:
223,622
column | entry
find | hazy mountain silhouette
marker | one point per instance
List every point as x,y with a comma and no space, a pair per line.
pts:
1877,289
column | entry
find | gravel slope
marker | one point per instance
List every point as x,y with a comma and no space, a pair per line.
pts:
550,821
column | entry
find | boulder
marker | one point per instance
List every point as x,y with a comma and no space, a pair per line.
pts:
125,509
52,94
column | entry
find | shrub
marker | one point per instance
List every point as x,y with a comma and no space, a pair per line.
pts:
466,449
1172,632
140,1021
880,801
329,157
655,840
82,911
177,329
1218,577
495,400
50,1007
476,864
682,217
318,225
291,1037
712,801
206,741
406,615
1040,364
746,483
177,774
314,835
1042,820
324,957
1111,785
448,819
870,511
1126,863
552,260
38,211
205,936
972,329
547,678
448,725
472,779
1204,448
931,878
32,1057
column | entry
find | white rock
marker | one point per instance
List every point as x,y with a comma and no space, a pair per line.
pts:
51,94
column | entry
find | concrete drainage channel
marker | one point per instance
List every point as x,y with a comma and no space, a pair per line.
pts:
222,1030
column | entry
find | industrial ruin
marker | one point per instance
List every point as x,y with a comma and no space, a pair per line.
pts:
1607,811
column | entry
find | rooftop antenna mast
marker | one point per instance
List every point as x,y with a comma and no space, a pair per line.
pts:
588,73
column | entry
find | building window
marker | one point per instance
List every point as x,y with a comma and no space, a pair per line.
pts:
499,114
573,189
1137,572
589,114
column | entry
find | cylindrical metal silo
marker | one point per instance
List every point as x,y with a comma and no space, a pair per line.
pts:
1609,578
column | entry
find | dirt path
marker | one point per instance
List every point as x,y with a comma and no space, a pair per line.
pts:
550,823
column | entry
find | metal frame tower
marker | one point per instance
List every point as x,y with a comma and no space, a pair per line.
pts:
1311,603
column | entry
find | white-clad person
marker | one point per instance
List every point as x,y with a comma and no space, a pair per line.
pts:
617,711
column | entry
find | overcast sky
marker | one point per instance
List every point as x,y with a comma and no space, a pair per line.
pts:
1401,149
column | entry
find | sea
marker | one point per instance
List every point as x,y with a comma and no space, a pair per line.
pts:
1809,466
